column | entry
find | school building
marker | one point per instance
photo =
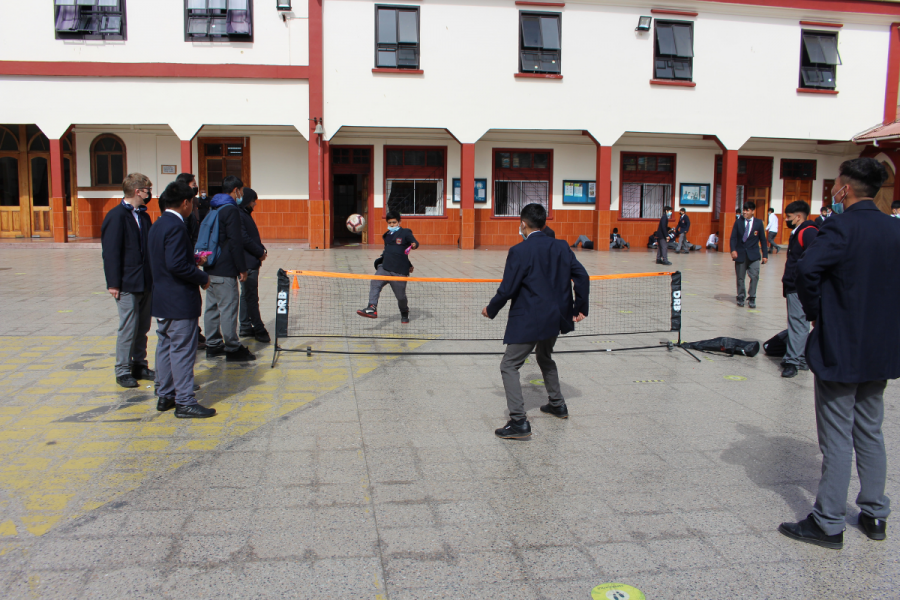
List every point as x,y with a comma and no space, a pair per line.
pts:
454,113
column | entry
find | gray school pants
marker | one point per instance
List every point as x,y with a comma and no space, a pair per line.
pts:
513,360
798,329
175,353
134,323
399,288
848,418
740,270
662,249
221,316
682,243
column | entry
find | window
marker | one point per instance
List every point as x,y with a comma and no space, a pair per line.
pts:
673,50
645,200
521,176
107,161
415,178
648,181
798,169
416,196
221,157
90,19
348,156
818,58
539,42
396,38
218,21
510,197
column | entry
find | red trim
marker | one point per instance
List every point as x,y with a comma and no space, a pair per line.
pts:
195,71
58,213
821,24
672,82
332,171
319,233
893,76
815,91
681,13
535,173
400,71
554,4
670,178
415,173
187,160
538,75
713,138
869,7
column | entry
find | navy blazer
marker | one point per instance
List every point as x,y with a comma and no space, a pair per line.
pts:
126,261
684,224
662,230
538,281
848,281
749,251
176,278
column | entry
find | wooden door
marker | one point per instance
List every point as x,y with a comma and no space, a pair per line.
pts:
760,197
10,221
39,194
221,157
794,189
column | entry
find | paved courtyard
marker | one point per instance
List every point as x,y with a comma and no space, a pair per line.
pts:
379,477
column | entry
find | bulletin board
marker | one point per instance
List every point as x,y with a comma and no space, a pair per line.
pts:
579,191
480,190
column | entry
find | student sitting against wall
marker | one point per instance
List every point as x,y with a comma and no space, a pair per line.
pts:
616,242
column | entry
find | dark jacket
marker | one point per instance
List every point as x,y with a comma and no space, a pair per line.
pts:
126,260
394,256
549,232
684,224
848,282
231,261
662,230
821,220
538,281
800,240
253,247
749,251
177,280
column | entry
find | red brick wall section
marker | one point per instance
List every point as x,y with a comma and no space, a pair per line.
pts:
429,231
637,232
567,224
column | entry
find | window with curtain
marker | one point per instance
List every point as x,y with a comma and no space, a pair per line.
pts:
218,21
510,197
89,19
540,42
396,37
645,200
416,196
819,58
107,161
673,50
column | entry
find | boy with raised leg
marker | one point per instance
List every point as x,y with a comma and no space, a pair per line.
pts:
393,262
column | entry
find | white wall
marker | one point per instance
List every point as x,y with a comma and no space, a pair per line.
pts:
278,167
145,152
155,33
746,68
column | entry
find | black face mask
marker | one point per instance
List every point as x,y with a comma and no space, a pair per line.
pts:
790,225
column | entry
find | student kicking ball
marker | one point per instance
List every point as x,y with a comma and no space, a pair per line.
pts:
393,262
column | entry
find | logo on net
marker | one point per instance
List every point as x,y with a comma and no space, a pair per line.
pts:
676,301
282,303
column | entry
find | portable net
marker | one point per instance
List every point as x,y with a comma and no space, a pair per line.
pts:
316,304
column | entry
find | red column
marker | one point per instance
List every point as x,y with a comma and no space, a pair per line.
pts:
729,197
893,75
604,197
319,237
58,217
467,197
187,161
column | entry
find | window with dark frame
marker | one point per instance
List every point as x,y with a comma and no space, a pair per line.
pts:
414,181
819,58
218,20
107,161
521,177
673,56
540,42
90,19
798,169
396,37
647,184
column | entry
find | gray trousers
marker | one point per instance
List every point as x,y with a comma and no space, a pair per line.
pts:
798,329
848,418
175,353
221,315
662,249
134,323
250,318
741,270
770,236
399,288
513,360
681,244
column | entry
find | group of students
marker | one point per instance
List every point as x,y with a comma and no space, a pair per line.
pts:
154,270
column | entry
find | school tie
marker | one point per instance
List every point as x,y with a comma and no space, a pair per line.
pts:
747,230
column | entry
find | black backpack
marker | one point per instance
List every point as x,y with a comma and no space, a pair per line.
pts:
776,345
725,345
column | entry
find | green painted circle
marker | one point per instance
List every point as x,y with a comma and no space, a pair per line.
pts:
735,378
616,591
536,382
625,312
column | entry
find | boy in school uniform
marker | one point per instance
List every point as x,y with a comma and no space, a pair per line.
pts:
393,262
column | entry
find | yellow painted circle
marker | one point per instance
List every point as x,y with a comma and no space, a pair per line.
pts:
625,312
536,382
616,591
735,378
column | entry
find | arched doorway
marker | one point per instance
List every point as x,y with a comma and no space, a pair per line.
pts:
10,196
39,182
885,195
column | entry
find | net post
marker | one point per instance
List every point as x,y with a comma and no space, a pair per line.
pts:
676,303
281,311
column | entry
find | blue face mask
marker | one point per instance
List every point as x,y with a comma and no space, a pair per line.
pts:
394,229
837,207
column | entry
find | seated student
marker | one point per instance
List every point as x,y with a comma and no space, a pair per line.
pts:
895,209
616,241
585,242
394,262
713,242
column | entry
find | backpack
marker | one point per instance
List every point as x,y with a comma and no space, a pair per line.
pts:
208,238
776,345
725,345
800,233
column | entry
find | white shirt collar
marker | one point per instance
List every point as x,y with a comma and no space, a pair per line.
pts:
176,214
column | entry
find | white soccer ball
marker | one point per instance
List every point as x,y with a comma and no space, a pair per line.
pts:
356,223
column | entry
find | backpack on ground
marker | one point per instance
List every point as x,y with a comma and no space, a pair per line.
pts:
725,345
208,237
776,345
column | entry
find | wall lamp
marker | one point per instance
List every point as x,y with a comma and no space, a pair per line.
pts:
644,24
319,129
283,4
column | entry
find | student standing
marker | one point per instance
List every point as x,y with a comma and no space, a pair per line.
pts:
747,238
251,322
538,279
222,296
126,262
772,231
803,232
848,285
662,237
684,225
393,262
176,304
193,225
824,213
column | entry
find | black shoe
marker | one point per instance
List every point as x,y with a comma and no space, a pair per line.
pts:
809,531
874,528
262,337
740,302
752,303
164,404
560,412
371,312
246,333
666,262
515,429
143,372
212,352
404,317
127,381
196,388
789,371
194,411
242,354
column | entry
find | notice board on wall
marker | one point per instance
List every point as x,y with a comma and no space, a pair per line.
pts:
579,191
480,190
